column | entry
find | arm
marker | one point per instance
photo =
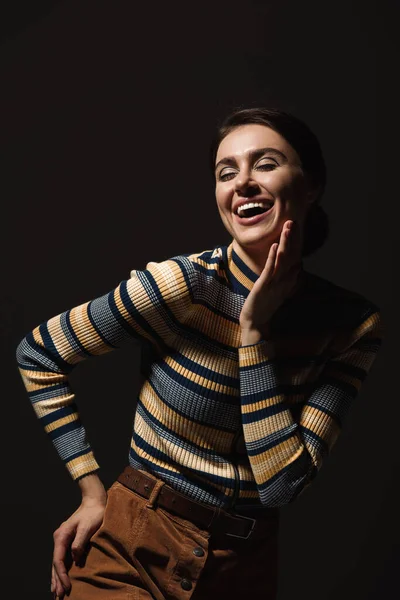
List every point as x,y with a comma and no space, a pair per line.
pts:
285,455
152,304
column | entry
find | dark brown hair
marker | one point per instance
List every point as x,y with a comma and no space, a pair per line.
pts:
306,144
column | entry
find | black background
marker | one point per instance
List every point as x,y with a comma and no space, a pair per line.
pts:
107,112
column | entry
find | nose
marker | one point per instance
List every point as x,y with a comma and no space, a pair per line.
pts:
244,185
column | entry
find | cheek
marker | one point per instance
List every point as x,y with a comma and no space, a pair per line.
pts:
287,187
221,197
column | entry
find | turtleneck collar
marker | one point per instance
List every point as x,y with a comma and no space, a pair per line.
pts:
242,277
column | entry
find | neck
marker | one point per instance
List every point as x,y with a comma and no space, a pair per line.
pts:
255,258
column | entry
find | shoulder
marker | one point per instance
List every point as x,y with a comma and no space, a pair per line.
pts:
205,258
192,261
338,307
185,267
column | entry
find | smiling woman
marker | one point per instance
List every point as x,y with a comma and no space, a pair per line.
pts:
274,139
254,364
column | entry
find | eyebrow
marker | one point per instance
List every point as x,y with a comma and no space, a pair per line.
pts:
231,160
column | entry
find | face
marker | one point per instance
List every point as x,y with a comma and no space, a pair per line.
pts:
256,164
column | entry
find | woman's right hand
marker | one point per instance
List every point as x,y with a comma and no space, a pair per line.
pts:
74,534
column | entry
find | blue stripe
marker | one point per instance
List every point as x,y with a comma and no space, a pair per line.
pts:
59,414
190,446
74,335
199,389
320,444
243,267
356,372
290,361
348,388
263,413
323,409
78,454
203,371
267,446
280,390
48,389
49,351
92,321
56,433
162,457
216,311
178,412
134,313
211,273
191,286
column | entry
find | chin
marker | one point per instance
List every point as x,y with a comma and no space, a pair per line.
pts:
254,239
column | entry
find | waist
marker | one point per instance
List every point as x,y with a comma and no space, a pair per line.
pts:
245,523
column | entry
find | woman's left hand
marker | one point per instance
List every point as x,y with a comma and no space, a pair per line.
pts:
275,284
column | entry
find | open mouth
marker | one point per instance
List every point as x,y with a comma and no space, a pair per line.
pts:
251,209
253,212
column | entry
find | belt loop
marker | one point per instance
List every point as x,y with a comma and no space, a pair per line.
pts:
154,493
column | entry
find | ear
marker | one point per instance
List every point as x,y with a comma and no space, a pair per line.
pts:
312,194
312,189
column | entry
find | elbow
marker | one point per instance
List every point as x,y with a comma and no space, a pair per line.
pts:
20,351
24,354
289,483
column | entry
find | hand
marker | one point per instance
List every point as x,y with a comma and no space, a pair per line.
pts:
74,534
275,284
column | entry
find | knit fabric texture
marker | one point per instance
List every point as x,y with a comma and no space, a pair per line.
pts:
223,423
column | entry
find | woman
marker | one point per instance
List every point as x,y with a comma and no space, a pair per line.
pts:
253,363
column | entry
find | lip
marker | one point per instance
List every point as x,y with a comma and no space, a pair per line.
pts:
252,199
252,220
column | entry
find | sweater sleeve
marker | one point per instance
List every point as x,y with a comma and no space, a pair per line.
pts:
151,305
285,455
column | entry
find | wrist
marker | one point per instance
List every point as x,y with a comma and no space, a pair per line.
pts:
92,487
250,336
253,335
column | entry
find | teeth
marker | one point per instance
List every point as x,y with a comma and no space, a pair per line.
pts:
252,205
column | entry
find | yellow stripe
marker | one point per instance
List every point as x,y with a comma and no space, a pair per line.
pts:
198,379
202,435
234,269
82,465
215,326
269,463
209,360
61,422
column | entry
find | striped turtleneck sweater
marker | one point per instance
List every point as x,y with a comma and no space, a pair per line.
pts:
226,424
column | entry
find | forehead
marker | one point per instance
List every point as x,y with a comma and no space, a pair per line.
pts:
246,138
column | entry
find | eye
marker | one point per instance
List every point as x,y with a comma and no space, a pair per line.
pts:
226,175
266,166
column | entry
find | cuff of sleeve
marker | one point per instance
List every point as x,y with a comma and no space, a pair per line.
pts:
255,354
82,465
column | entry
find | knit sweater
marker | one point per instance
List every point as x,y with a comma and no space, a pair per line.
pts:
223,423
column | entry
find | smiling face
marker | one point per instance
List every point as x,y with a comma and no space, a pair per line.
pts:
256,164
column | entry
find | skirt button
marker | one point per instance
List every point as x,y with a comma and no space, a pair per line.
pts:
186,584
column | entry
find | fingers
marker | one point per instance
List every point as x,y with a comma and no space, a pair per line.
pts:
287,256
269,266
62,539
78,545
56,586
271,260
